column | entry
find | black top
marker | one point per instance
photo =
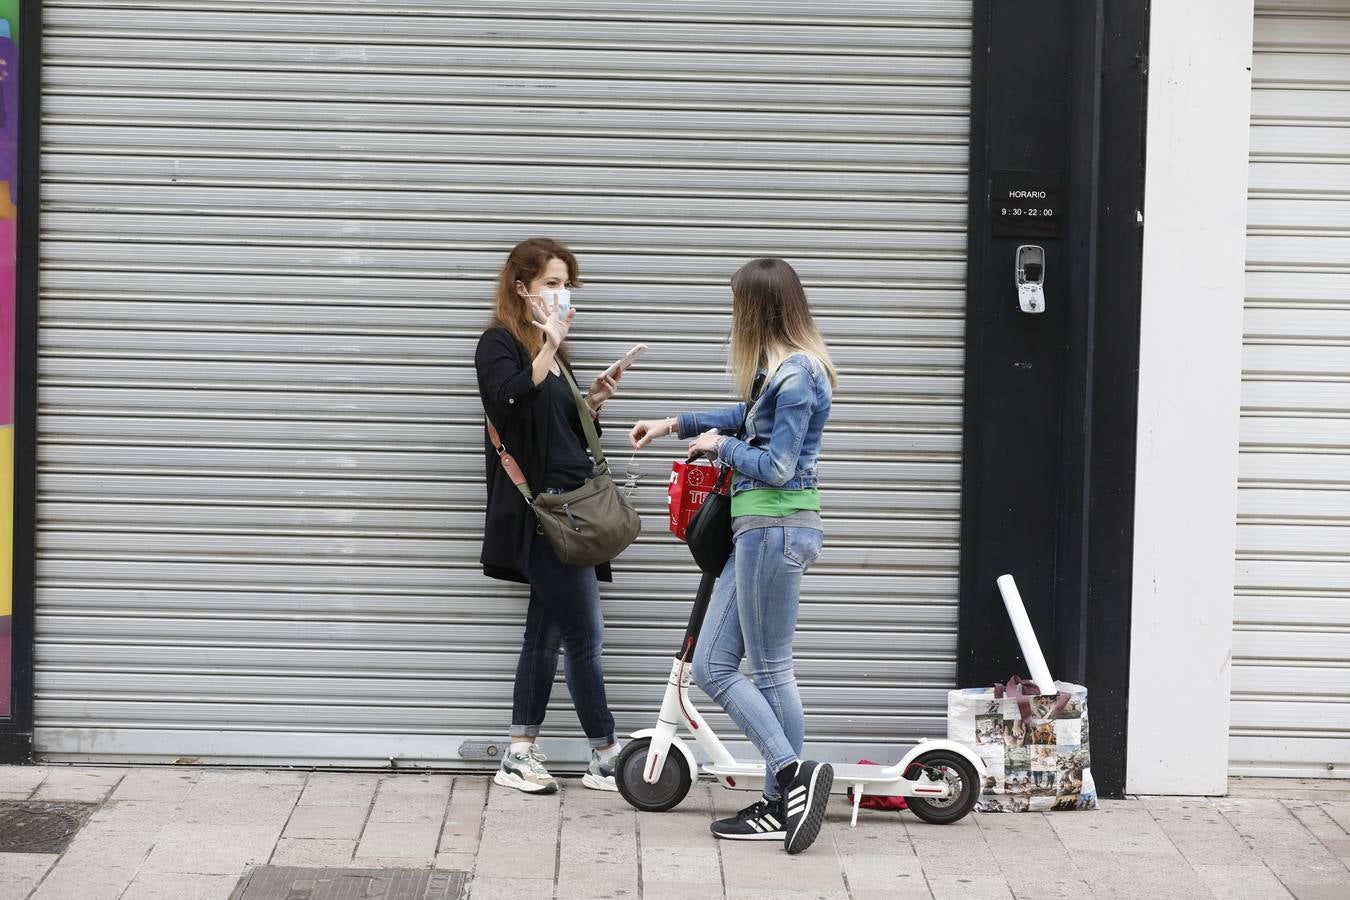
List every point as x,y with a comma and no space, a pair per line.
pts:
569,463
522,413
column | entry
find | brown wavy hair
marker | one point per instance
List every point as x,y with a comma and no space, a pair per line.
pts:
526,261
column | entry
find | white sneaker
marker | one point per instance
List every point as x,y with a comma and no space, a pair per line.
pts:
600,776
526,772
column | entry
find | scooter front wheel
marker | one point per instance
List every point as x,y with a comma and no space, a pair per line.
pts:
670,788
960,776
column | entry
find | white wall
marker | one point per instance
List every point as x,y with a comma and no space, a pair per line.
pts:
1199,92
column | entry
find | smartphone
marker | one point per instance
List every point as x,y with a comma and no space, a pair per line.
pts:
628,359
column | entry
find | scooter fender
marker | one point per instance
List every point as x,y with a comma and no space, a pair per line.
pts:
943,744
677,744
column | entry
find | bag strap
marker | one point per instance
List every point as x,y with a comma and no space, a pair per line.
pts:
755,390
512,468
509,464
587,423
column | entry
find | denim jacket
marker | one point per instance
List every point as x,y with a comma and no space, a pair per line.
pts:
782,433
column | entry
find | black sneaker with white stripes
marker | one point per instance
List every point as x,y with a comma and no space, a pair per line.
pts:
760,821
804,802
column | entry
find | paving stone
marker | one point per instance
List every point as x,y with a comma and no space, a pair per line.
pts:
1338,810
229,784
19,782
511,889
939,857
1289,788
71,882
1302,891
969,887
1206,838
680,890
81,785
691,865
20,873
332,822
395,840
581,846
164,785
110,847
412,799
781,894
267,813
762,865
531,855
875,872
684,826
1174,804
462,862
388,862
305,852
600,881
339,789
210,849
1131,876
1234,882
1053,883
161,886
1118,827
464,816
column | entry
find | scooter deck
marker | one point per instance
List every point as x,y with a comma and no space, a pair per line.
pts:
845,774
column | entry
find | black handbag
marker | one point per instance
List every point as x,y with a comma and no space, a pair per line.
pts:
709,531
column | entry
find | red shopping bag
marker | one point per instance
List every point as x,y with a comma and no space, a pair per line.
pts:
690,485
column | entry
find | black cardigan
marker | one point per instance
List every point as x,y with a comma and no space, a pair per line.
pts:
507,389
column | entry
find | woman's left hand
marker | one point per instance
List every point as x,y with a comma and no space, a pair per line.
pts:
602,388
706,443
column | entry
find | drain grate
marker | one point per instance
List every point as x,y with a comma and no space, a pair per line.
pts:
40,827
301,883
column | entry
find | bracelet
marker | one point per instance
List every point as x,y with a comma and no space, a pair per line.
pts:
673,426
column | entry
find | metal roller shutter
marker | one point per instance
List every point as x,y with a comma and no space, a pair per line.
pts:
1291,641
269,239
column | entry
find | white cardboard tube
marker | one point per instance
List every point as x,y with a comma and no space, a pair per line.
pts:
1026,636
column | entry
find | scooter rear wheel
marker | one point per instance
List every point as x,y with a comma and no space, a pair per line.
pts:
670,788
959,774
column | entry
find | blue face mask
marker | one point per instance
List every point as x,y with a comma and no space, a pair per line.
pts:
561,297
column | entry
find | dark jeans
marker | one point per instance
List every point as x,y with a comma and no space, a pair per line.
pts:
564,612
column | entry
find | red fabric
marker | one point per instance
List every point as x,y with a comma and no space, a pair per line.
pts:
690,485
895,803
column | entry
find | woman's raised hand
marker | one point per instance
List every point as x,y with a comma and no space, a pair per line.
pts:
648,430
547,320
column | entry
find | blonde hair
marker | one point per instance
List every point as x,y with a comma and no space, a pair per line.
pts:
526,261
771,321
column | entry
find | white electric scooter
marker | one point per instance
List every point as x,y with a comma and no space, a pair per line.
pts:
939,779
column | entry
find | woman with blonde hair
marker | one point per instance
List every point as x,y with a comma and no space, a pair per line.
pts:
525,383
775,508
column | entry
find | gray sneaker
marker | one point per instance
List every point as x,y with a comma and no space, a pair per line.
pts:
526,772
600,776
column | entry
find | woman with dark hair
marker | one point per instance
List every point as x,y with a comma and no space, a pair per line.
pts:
523,381
775,508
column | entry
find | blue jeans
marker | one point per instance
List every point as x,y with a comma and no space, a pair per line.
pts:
753,615
564,613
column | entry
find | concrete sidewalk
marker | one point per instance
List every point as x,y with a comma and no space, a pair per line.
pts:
182,833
